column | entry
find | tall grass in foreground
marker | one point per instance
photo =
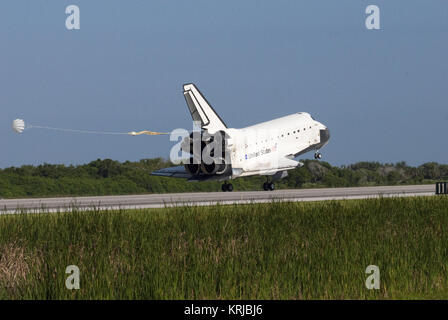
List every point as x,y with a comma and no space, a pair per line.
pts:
260,251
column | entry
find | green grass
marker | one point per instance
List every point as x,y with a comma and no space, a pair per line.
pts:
261,251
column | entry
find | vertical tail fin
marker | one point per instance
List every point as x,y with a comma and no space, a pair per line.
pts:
201,110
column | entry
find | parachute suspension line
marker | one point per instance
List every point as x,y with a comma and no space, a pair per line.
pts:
18,126
75,130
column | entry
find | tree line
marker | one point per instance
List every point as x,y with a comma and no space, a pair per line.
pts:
109,177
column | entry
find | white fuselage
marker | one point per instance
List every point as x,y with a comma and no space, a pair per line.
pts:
270,146
217,152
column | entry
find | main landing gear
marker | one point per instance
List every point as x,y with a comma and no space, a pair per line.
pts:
318,155
268,186
227,187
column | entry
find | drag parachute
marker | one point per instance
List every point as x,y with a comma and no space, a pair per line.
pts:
18,125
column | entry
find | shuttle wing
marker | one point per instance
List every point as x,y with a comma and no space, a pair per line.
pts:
174,172
201,110
180,172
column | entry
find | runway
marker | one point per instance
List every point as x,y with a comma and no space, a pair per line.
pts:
209,198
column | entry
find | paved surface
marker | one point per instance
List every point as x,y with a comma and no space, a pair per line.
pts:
207,198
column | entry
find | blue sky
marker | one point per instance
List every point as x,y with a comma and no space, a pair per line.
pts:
383,93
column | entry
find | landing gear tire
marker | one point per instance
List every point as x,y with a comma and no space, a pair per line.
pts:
318,155
227,187
268,186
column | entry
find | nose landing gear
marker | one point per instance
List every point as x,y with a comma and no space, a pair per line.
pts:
317,155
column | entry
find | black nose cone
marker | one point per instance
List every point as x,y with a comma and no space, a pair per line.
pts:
324,136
